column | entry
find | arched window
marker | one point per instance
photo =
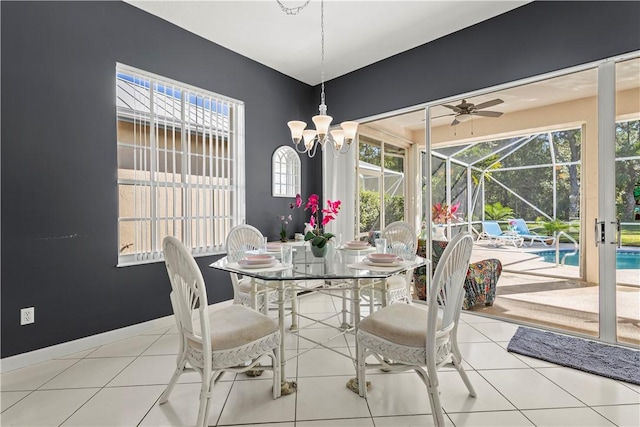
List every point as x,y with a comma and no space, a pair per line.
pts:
286,172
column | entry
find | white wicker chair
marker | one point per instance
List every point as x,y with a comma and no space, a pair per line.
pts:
413,336
222,341
401,238
240,239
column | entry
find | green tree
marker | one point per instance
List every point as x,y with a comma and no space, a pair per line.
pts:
497,212
627,170
393,208
370,152
369,210
567,146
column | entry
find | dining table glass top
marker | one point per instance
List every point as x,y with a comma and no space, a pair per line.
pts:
337,264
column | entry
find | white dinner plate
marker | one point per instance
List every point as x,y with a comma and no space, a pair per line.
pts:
259,259
381,264
269,251
244,264
352,248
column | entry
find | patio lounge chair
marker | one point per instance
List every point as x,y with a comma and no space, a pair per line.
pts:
491,230
524,232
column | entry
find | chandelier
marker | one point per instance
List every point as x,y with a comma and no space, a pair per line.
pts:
339,139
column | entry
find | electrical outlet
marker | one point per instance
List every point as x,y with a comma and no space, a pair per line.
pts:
27,315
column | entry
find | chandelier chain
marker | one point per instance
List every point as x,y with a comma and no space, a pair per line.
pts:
307,140
292,10
322,44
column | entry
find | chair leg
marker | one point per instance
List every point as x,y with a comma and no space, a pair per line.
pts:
181,363
206,391
456,358
436,406
457,363
431,381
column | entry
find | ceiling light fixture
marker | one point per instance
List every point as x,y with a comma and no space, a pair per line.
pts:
338,138
464,117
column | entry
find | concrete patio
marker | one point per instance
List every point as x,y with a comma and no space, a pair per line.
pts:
536,292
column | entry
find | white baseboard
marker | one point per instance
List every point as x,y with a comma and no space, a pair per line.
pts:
48,353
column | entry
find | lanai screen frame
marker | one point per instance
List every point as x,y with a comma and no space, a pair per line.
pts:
509,147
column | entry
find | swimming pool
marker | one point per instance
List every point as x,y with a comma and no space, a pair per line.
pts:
625,260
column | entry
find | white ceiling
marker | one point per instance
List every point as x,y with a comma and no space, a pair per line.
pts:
357,32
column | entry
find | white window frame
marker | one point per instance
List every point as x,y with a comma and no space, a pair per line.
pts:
193,190
285,172
384,141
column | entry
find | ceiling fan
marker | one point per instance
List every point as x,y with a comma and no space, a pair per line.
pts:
466,110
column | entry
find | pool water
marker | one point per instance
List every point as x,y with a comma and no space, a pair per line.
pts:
625,260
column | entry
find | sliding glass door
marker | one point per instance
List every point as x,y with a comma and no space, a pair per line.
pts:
567,161
562,153
627,203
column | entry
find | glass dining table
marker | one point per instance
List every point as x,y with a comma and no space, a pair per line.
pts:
344,273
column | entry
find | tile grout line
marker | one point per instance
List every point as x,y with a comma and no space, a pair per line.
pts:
86,357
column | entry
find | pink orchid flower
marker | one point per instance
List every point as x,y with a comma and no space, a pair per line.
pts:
326,219
312,203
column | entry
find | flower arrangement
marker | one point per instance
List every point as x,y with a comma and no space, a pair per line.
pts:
317,236
286,219
442,213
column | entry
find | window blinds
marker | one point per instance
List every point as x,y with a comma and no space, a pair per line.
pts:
180,166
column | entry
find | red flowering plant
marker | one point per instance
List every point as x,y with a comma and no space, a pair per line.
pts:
317,236
442,213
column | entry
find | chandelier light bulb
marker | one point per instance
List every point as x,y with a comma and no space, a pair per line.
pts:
309,136
322,123
350,129
338,138
296,127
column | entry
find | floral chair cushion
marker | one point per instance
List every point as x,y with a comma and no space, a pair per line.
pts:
479,285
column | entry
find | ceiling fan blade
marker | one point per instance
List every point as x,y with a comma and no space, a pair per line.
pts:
487,113
489,104
454,122
456,108
444,115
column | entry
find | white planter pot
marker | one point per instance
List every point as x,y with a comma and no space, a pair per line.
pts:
439,233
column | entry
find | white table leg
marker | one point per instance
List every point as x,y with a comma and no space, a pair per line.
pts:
286,387
384,293
356,322
294,308
254,294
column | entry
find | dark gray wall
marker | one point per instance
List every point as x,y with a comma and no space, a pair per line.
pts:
537,38
59,198
59,193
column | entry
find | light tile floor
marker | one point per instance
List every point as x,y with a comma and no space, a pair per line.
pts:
119,384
